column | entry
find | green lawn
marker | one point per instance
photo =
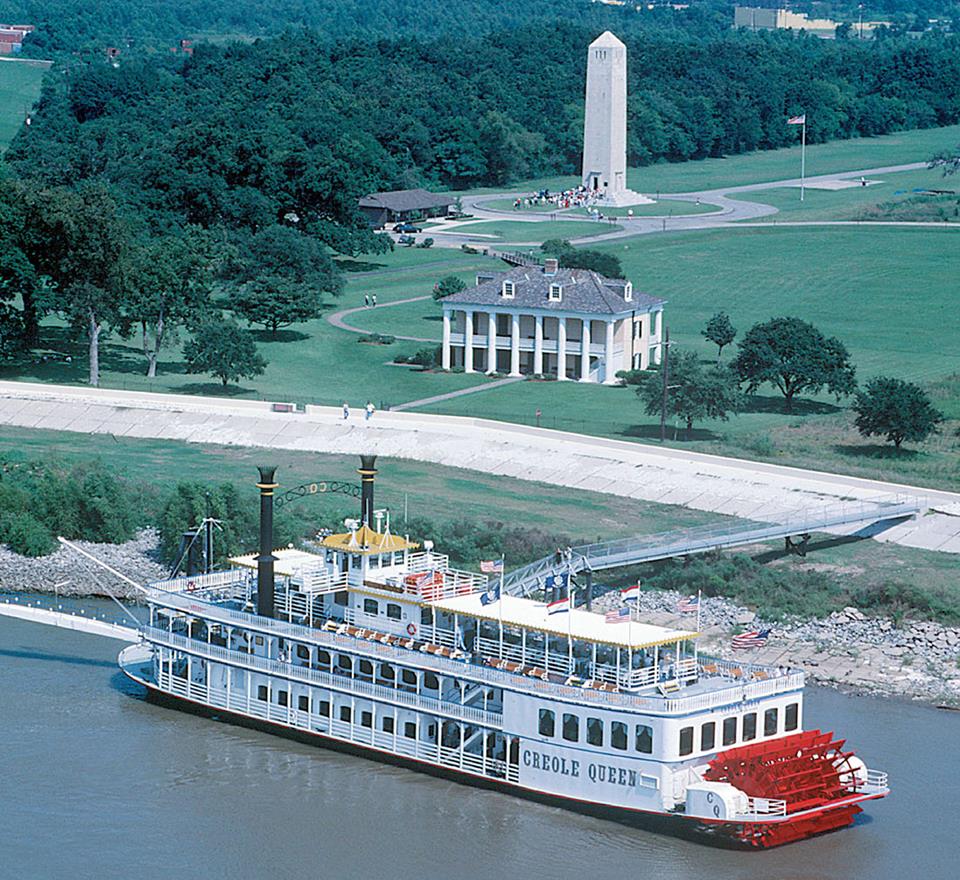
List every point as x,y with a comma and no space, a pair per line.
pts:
848,204
767,165
19,89
534,232
427,490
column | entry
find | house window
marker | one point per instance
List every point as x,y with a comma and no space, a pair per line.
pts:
371,606
595,731
644,739
791,717
547,723
508,289
393,611
708,735
628,292
571,728
686,740
556,292
618,735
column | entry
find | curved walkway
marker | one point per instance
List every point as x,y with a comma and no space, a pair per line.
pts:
337,318
721,485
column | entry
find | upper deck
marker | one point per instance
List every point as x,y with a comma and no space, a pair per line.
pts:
383,601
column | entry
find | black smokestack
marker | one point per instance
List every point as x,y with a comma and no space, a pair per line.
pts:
367,471
266,558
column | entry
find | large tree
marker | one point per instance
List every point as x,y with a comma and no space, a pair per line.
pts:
225,350
794,357
80,241
895,409
447,286
168,284
694,392
720,332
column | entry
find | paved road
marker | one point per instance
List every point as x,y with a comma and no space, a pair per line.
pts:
731,210
729,486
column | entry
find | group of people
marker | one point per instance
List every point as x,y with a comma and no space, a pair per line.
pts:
370,300
579,197
368,411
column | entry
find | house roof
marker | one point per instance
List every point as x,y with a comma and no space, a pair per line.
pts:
406,200
582,291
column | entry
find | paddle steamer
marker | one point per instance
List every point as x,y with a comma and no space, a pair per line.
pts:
375,644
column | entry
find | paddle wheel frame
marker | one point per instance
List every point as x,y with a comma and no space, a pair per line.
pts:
819,782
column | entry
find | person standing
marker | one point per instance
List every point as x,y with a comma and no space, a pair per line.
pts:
346,410
368,410
366,300
373,300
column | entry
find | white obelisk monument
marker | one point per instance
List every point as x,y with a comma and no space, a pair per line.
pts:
605,123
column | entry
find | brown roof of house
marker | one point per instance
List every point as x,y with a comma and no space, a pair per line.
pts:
406,200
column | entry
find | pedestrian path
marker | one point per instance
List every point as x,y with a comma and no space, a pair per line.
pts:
337,319
488,386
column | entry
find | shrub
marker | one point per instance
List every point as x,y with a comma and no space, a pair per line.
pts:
427,357
377,338
632,377
23,533
426,243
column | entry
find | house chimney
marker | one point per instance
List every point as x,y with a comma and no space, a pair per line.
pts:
266,558
550,266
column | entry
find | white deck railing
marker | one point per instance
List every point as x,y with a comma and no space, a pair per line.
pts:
763,808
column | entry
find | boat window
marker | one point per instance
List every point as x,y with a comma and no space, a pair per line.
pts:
595,731
344,662
282,698
398,557
729,731
386,670
791,717
366,667
618,735
708,736
371,606
324,708
749,726
303,703
410,729
387,724
571,727
686,740
770,722
644,739
426,617
366,719
373,561
408,676
430,681
341,598
303,652
258,640
344,713
393,611
261,692
547,723
323,658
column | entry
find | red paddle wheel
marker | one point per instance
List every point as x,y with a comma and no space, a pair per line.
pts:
808,770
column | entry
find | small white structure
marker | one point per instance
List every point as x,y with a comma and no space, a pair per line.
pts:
568,323
605,123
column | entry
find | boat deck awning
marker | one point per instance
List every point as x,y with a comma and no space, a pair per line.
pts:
289,561
580,625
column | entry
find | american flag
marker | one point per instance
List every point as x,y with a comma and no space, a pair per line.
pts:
617,616
492,566
797,120
689,605
756,638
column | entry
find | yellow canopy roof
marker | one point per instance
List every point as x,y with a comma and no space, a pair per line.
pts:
366,541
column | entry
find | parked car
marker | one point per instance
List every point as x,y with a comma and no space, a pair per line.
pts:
406,227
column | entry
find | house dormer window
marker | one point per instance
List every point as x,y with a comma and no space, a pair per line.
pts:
556,292
628,292
507,290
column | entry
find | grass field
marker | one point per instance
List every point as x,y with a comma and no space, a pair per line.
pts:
768,165
428,491
533,232
19,88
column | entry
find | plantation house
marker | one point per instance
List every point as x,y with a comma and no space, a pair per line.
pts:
568,323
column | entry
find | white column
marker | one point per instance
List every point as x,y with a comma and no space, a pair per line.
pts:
562,349
538,346
491,342
585,351
446,340
609,368
468,342
657,338
515,345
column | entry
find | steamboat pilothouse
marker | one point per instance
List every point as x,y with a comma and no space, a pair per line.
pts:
375,644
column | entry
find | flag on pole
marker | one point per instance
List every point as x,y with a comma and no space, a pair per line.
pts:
630,594
559,606
756,638
689,605
492,566
798,120
557,581
492,594
619,615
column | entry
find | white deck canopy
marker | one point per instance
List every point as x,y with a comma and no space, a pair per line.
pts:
579,625
289,561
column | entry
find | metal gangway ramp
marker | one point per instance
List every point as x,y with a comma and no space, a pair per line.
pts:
703,539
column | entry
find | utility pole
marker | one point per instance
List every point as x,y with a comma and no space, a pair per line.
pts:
666,379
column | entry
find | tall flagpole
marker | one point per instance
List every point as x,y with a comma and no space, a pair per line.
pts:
803,154
500,603
699,600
